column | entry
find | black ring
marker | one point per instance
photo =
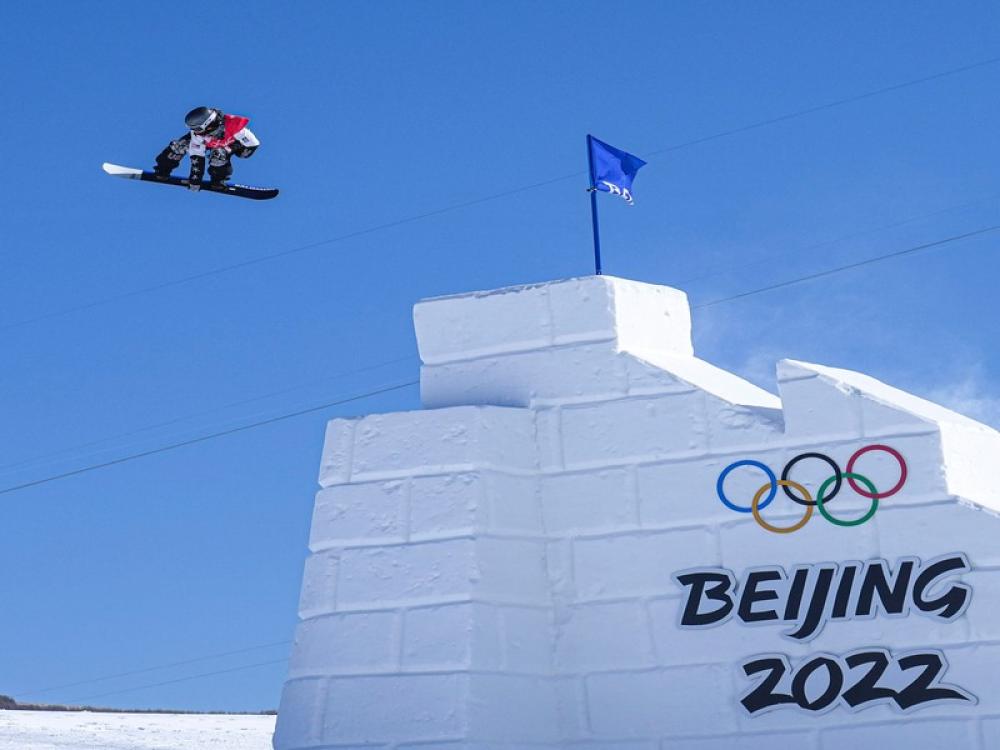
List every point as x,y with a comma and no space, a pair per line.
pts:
833,465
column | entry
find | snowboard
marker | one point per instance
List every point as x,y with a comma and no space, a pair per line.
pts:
240,191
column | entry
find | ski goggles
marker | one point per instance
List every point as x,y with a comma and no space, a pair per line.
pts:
211,123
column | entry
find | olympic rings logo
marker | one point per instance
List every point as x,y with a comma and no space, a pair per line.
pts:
828,490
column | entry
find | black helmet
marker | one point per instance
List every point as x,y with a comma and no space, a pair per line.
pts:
203,119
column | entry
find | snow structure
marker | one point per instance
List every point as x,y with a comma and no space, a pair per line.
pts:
511,567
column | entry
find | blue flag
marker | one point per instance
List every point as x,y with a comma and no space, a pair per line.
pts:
611,169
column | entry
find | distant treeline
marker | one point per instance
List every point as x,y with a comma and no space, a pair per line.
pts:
9,704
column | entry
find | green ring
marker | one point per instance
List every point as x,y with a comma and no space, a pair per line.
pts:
836,521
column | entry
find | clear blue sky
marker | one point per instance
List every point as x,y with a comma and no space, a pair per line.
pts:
374,112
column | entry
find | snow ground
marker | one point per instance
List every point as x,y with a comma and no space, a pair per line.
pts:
52,730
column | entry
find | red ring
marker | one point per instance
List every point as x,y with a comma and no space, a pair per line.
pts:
878,495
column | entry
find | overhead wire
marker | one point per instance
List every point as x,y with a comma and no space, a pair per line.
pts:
771,258
49,457
282,254
848,266
496,196
828,105
399,386
145,670
303,248
204,438
179,679
146,428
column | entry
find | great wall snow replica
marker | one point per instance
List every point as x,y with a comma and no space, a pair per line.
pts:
591,538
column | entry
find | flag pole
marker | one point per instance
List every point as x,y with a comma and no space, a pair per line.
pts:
593,208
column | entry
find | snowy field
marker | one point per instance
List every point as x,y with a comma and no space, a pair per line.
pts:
51,730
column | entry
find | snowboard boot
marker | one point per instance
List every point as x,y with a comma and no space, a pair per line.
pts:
163,168
167,161
218,175
219,168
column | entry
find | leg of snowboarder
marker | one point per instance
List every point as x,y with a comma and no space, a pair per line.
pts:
219,168
197,172
170,157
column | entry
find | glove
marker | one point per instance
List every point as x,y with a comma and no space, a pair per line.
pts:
218,157
177,150
244,152
194,185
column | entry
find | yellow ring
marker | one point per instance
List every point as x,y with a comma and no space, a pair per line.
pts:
782,529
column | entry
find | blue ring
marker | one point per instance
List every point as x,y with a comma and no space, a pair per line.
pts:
735,465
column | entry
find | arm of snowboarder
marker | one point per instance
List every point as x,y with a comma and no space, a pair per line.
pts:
168,159
244,143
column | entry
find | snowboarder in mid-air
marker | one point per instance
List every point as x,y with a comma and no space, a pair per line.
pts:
212,136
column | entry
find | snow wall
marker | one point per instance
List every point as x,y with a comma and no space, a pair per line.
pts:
591,538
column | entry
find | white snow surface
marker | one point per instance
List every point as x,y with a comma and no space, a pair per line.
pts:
82,730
